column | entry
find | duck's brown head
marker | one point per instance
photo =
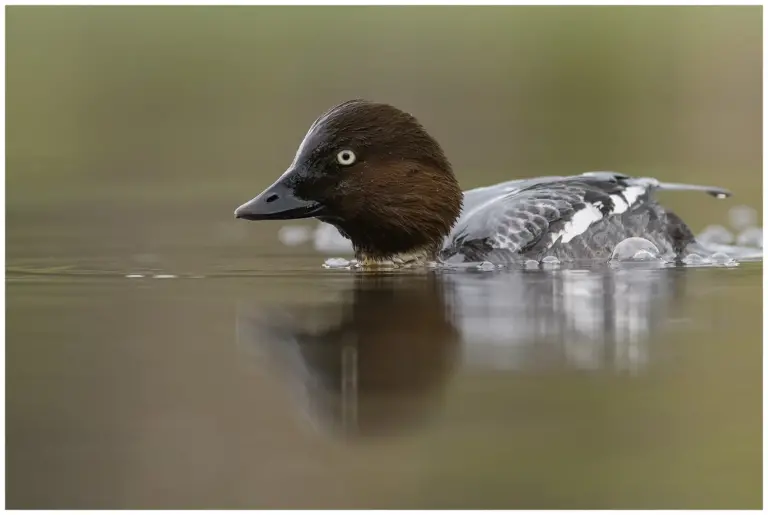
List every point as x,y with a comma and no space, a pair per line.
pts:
372,171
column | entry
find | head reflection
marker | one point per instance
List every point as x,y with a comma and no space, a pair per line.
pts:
371,361
374,359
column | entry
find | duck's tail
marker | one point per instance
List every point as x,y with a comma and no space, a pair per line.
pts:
652,183
710,190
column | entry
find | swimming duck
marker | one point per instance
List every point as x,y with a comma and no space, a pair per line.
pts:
373,172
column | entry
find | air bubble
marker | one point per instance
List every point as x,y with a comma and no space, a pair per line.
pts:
550,261
134,276
715,234
164,276
694,259
485,266
635,249
531,263
337,263
644,255
752,237
721,258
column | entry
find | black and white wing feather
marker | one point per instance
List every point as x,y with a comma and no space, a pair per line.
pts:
581,216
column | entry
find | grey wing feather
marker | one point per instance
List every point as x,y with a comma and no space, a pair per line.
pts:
516,220
477,196
581,214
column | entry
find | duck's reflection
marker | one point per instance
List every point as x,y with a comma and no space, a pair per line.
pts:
370,361
569,319
374,358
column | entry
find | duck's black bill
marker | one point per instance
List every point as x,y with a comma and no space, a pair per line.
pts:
278,203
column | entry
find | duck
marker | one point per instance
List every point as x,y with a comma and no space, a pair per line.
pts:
373,172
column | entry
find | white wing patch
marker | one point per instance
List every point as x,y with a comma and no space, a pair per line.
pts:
631,195
584,218
537,214
579,223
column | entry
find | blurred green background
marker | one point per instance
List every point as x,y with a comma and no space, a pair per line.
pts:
149,125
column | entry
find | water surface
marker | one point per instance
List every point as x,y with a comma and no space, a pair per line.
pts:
285,385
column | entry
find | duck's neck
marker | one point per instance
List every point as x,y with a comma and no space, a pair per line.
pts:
418,257
408,221
389,240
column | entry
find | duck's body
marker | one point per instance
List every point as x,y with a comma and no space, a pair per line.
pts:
374,173
580,217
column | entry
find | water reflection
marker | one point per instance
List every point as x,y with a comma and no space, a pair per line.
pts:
567,319
372,360
374,357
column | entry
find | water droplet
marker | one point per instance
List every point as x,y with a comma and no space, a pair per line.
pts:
694,259
752,237
742,217
134,276
336,263
644,255
292,235
164,276
531,263
715,234
635,249
550,261
720,258
485,266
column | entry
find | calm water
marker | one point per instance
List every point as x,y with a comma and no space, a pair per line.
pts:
281,384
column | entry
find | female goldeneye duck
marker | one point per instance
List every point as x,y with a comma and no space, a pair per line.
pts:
374,173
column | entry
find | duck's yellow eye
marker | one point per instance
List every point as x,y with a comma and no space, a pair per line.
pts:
346,157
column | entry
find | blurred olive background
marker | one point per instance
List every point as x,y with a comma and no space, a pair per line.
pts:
134,132
149,125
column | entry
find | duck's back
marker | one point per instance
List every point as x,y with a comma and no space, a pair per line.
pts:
580,217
